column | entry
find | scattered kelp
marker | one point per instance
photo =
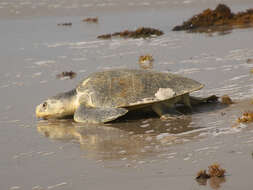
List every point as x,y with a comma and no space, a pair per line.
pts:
246,117
66,74
91,20
219,19
225,99
214,171
249,60
202,175
65,24
141,32
146,61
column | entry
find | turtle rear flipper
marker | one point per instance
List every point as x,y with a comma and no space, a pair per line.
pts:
85,114
199,100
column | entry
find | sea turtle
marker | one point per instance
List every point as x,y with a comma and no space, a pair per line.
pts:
107,95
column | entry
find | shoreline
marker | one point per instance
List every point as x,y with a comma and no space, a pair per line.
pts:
29,10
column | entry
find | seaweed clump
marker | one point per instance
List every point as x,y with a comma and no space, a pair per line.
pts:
214,170
225,99
146,61
141,32
249,60
66,74
219,19
91,20
202,175
246,117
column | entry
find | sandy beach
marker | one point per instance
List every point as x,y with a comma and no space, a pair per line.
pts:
138,153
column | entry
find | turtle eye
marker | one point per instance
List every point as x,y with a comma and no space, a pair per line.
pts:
44,105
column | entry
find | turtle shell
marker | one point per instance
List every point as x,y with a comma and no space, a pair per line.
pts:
126,88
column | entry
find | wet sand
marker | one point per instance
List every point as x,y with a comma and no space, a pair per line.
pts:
135,153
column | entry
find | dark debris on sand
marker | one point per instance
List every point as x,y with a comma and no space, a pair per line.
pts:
66,74
221,18
65,24
202,175
141,32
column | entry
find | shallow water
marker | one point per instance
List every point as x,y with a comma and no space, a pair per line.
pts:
137,153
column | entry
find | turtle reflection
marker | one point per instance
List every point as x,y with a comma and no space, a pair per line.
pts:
128,140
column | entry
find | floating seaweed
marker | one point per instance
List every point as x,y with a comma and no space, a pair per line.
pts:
66,74
225,99
219,19
246,117
65,24
141,32
146,61
91,20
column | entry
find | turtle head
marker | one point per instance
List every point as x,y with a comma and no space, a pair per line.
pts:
50,108
59,106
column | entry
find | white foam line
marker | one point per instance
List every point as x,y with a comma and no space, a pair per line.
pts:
84,47
128,53
194,131
188,71
44,62
237,50
238,77
249,141
191,61
57,185
75,43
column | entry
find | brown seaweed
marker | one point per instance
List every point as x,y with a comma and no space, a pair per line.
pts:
214,170
69,74
219,19
225,99
202,175
91,20
141,32
146,61
249,60
246,117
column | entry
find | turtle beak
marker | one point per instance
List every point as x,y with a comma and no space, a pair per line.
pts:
38,111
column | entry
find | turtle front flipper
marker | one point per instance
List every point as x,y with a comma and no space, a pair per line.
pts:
85,114
199,100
